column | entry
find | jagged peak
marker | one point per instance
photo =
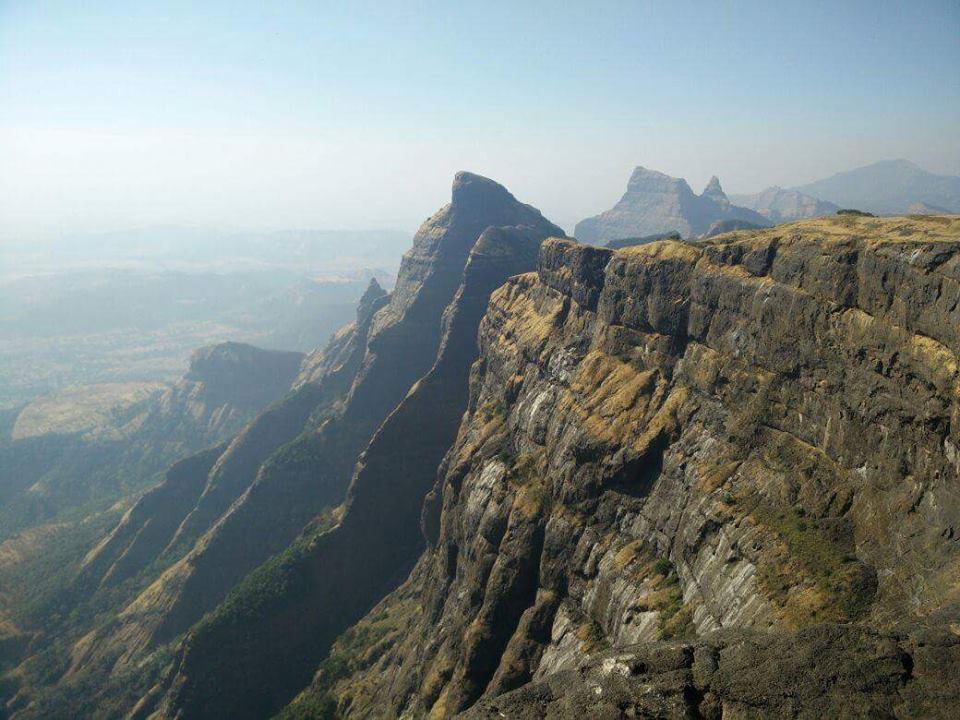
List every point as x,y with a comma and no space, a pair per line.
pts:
373,291
371,301
714,190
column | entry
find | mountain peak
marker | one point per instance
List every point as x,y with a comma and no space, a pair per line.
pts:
656,203
644,180
374,290
714,190
471,189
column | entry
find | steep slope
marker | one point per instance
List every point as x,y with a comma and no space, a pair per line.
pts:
780,205
49,475
293,463
888,186
757,433
340,574
225,385
656,203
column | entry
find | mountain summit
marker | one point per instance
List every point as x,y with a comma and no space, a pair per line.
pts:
657,203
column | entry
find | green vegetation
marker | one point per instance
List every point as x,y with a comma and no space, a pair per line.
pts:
855,213
493,411
843,583
663,567
354,650
593,638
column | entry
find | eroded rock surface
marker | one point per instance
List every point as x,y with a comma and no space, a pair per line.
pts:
754,434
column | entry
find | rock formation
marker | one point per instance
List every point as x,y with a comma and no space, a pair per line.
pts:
656,203
758,435
547,479
224,513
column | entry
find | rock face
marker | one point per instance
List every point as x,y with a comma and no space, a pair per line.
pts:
546,479
224,386
889,186
656,203
825,671
779,205
401,369
756,435
349,568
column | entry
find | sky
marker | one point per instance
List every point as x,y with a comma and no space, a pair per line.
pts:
256,116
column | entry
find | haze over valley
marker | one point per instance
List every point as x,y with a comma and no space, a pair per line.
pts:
424,361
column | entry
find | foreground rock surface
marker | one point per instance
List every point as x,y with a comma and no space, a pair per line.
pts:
822,672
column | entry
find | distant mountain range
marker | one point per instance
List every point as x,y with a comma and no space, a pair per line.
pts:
780,205
655,203
888,187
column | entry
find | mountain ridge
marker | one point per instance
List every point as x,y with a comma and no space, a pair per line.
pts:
656,203
887,187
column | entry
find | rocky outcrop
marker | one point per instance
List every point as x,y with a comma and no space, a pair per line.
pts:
225,385
780,205
824,671
656,203
756,434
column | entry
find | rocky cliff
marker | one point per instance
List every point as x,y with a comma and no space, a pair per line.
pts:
682,479
656,203
746,447
218,516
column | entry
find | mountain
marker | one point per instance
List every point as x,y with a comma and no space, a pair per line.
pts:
656,203
178,553
779,205
922,208
670,498
87,447
541,478
886,187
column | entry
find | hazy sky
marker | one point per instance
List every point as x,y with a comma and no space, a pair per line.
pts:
246,115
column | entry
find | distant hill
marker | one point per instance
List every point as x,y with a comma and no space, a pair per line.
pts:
922,208
656,203
889,187
780,205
